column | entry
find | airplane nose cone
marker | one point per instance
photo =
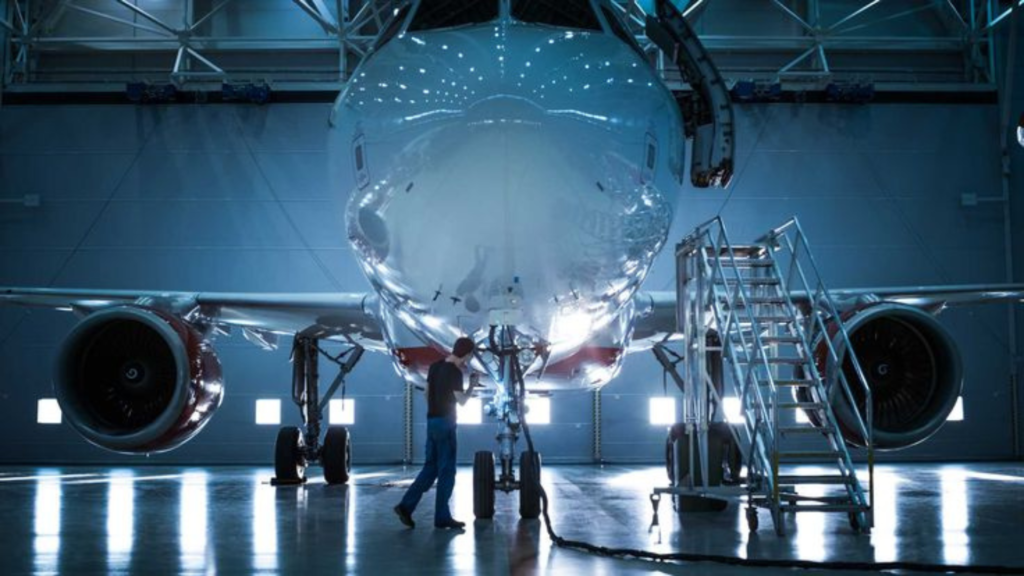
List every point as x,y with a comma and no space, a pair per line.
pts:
505,175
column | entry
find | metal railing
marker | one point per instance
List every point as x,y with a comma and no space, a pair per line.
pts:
825,328
711,288
713,292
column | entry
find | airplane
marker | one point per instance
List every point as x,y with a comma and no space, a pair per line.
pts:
513,164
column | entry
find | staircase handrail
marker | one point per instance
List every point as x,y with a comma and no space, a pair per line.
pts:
820,296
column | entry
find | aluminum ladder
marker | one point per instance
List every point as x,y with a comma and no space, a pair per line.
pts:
785,350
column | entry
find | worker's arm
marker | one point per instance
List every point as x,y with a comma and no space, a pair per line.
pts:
463,397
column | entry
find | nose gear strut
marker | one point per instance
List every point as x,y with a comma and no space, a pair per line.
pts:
509,407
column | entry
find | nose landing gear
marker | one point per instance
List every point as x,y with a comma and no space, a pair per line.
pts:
508,407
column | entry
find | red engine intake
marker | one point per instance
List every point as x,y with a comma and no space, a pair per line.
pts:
137,381
912,366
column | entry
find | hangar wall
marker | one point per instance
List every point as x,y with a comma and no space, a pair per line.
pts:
1017,202
242,198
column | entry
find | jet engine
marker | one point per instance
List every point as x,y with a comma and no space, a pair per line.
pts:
137,381
912,367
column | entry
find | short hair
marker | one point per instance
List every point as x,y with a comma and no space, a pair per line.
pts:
463,347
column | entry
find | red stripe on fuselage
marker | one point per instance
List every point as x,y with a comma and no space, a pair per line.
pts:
420,358
595,356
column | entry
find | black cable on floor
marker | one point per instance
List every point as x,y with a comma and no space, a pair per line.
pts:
746,562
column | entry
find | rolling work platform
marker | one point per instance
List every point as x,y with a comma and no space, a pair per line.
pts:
759,325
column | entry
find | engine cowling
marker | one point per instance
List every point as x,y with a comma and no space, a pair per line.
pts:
137,381
912,366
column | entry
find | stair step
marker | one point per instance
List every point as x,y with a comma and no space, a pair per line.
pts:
753,301
781,339
759,281
762,319
803,430
794,383
811,454
814,479
748,262
793,498
786,360
802,405
851,507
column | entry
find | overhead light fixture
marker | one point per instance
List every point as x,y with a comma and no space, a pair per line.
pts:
1020,130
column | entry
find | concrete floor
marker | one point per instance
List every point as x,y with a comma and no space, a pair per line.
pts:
160,520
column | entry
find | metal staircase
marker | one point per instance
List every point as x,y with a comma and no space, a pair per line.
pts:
765,308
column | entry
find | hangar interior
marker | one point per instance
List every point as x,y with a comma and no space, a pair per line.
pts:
165,145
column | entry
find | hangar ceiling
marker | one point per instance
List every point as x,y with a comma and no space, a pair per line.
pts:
313,45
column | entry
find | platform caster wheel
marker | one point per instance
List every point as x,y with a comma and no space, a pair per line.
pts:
529,485
483,485
337,455
289,460
752,521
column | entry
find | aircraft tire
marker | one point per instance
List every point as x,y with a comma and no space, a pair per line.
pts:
529,485
289,462
337,455
483,485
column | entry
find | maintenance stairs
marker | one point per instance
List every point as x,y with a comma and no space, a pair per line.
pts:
786,354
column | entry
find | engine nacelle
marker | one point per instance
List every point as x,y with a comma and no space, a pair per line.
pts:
137,381
912,366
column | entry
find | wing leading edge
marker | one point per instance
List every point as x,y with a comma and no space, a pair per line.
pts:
656,319
350,317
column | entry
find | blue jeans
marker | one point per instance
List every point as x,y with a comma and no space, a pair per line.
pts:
440,465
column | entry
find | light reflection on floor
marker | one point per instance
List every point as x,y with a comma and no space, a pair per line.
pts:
231,520
264,527
46,524
120,520
192,525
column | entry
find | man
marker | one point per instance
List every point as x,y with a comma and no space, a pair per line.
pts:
444,389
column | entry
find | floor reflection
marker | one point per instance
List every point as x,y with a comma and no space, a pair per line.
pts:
956,543
192,531
46,520
885,534
231,520
120,520
264,527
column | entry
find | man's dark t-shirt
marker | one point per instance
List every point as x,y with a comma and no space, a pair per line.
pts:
443,380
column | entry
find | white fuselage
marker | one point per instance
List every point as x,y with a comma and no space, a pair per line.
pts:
510,166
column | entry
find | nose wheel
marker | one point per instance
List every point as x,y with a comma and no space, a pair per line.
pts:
507,407
529,485
483,485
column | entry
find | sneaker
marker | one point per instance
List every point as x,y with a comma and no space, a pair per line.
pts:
404,516
450,525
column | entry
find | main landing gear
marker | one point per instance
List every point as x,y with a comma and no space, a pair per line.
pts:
508,406
298,448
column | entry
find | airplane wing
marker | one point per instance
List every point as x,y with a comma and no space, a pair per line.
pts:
261,317
656,311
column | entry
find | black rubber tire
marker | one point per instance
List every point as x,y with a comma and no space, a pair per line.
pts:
289,462
483,485
336,456
529,485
